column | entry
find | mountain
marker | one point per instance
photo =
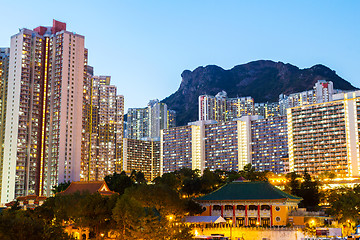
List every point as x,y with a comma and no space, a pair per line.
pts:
264,80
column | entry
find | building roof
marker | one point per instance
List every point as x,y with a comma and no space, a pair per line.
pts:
204,219
31,197
238,190
90,187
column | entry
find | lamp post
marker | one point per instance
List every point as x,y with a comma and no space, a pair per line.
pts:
231,222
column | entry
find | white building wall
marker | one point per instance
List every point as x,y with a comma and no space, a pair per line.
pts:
12,120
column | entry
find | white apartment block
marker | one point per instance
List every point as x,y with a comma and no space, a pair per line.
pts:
42,145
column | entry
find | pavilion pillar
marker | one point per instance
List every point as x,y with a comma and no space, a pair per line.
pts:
246,215
234,217
210,210
222,210
271,217
259,219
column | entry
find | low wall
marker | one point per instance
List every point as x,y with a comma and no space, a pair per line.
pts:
241,233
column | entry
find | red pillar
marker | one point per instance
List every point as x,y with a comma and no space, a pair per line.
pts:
234,218
246,213
259,215
271,220
210,210
222,210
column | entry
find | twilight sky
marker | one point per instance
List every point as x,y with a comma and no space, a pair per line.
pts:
145,45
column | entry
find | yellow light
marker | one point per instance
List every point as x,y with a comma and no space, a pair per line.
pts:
312,223
196,233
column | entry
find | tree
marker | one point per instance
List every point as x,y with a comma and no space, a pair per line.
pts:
309,191
210,181
293,185
25,225
345,204
129,214
61,187
191,186
149,212
95,212
250,174
119,182
169,179
138,177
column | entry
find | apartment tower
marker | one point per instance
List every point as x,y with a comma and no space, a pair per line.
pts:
4,69
146,123
142,155
325,136
103,128
42,145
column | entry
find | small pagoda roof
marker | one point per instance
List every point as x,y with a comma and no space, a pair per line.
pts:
90,187
248,191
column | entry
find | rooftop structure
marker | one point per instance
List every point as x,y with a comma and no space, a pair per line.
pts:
88,187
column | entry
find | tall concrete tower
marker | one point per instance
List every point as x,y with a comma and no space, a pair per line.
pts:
42,145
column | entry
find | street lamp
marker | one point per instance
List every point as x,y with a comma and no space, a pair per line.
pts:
230,228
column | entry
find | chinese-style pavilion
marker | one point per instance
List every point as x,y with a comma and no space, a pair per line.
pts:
250,204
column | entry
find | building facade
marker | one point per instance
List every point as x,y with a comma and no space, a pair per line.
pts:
324,137
322,92
44,118
223,109
221,146
146,123
142,155
226,145
269,144
137,123
103,129
4,74
176,150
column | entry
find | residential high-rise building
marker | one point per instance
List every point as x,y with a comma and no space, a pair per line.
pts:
325,136
322,91
267,110
158,118
226,145
221,108
4,69
43,114
221,146
142,155
137,123
176,148
146,123
171,118
269,144
103,130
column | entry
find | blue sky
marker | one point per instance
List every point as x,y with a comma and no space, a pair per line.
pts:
145,45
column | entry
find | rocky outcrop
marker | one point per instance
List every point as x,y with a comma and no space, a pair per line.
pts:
263,80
